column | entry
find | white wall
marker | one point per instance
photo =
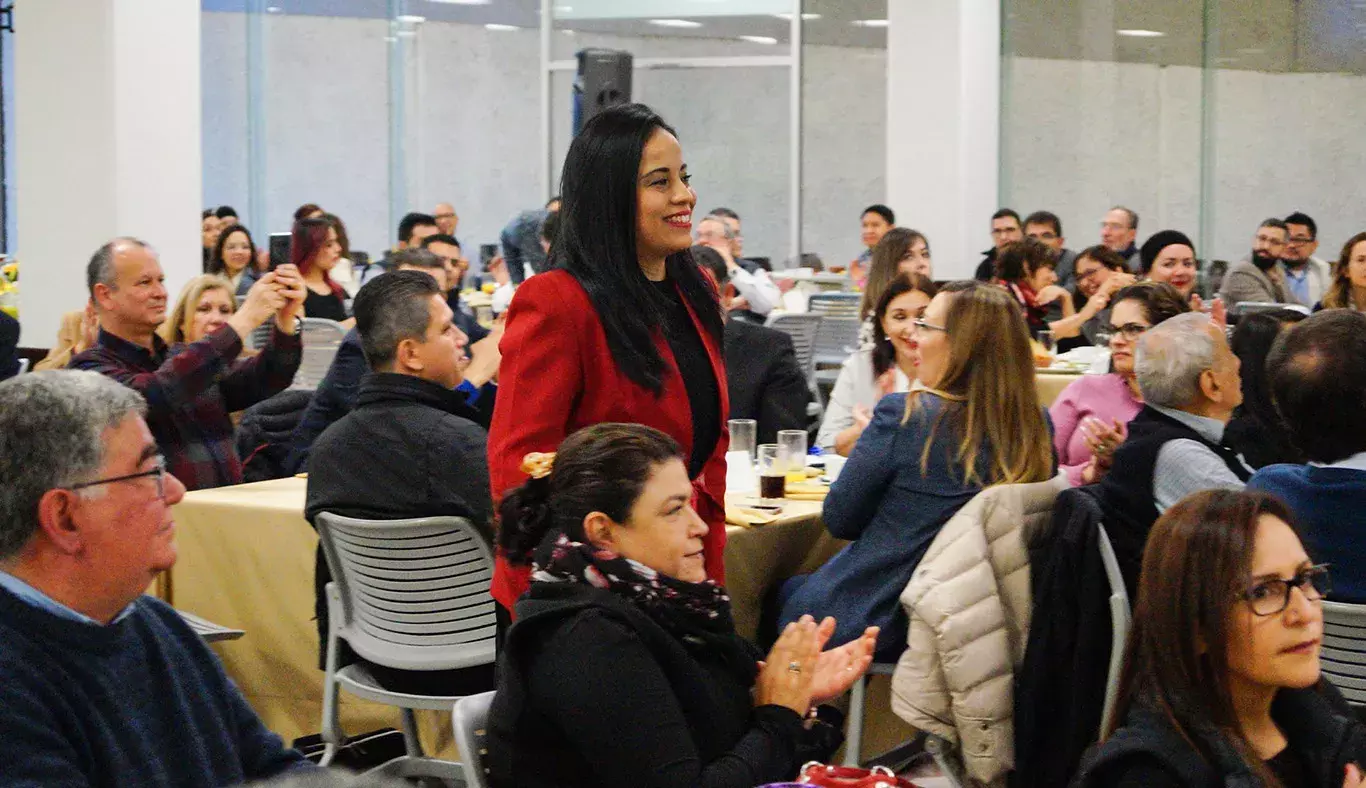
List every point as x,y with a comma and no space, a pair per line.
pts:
107,143
1084,135
474,120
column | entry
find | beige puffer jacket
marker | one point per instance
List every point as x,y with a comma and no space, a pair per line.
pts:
969,606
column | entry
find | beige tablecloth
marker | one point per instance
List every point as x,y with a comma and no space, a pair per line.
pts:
1050,384
246,561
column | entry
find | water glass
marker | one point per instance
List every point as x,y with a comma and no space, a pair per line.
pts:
1048,343
743,435
792,452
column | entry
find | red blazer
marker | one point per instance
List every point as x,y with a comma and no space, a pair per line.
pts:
558,375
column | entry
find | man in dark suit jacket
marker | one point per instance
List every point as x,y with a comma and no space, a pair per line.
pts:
411,448
762,375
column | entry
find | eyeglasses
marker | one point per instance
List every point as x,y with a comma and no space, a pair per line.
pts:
1082,276
444,216
1044,236
1297,240
1270,240
1270,597
1130,331
158,474
919,324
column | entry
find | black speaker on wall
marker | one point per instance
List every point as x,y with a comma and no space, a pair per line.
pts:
604,79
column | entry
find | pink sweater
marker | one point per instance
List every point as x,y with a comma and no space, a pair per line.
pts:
1106,397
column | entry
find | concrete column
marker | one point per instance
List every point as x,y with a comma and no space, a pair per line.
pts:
107,143
943,125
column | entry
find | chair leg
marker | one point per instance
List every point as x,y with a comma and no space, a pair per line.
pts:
331,727
410,738
853,740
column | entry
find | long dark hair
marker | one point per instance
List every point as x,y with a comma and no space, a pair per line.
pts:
601,468
886,264
1196,566
1339,295
884,355
1251,343
216,264
597,243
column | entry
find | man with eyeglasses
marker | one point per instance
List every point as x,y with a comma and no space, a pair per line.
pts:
1307,277
1005,230
100,685
1261,277
1317,374
1119,231
1046,227
447,220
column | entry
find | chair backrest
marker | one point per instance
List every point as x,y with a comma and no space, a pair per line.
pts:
803,329
836,338
1120,621
835,304
321,339
1343,658
470,718
1245,308
260,335
414,593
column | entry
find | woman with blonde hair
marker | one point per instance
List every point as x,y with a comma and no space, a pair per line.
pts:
972,420
205,304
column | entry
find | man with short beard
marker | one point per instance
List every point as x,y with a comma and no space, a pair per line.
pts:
1260,278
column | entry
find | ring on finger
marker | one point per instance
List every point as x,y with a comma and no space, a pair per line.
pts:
794,667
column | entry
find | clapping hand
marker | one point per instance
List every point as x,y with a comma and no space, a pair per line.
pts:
838,668
1103,438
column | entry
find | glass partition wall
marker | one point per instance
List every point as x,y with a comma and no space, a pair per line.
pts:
373,108
1206,117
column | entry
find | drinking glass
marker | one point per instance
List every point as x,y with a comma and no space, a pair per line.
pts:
743,433
792,451
1050,345
772,471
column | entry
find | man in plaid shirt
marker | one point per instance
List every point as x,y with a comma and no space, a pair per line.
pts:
191,388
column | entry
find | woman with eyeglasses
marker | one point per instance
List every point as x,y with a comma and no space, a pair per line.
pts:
972,420
1221,683
1090,415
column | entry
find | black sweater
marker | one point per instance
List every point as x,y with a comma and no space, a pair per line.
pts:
1323,734
699,379
141,702
592,692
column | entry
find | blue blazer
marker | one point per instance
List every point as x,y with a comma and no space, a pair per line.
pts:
891,512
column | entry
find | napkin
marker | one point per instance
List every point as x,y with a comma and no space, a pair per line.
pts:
745,515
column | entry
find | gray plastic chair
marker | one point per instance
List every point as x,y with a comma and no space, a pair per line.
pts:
803,329
321,339
1121,619
853,738
23,366
835,304
1245,308
411,595
470,717
258,338
1343,658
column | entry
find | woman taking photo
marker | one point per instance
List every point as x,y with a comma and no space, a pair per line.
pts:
233,258
315,250
205,304
973,421
1221,683
1026,269
886,365
626,328
1348,290
624,668
1090,415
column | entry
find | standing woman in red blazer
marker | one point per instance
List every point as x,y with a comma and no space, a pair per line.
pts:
626,328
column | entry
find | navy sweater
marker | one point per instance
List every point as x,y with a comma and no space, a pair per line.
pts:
142,702
1330,505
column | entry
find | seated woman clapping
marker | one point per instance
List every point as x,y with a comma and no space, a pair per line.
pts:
974,420
624,668
1221,682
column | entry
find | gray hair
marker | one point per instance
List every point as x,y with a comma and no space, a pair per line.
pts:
725,225
1133,217
1170,358
52,427
390,308
100,269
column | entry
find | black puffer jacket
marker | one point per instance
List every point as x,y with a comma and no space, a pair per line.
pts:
263,434
1317,722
